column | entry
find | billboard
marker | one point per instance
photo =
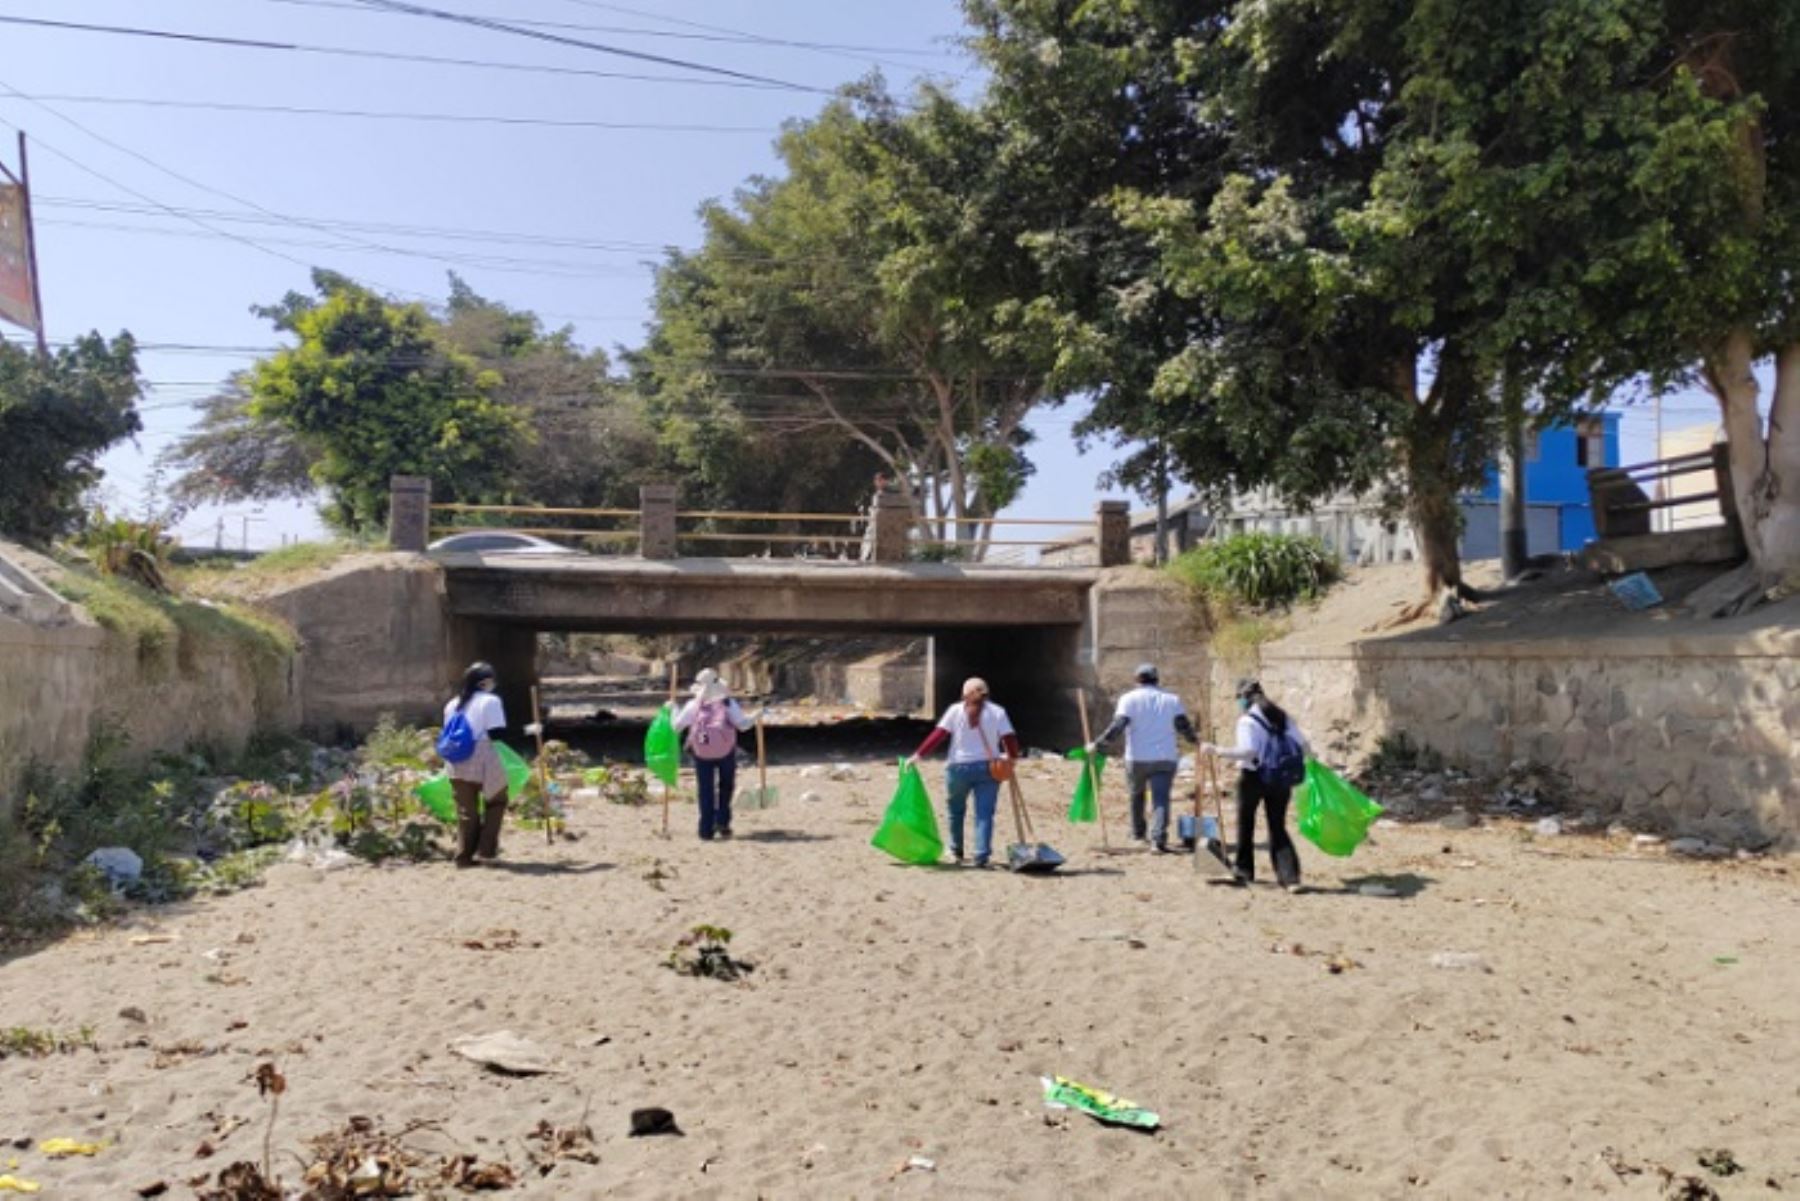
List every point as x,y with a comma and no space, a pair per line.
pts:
18,302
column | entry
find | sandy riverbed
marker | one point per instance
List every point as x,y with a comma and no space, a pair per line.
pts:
1635,1011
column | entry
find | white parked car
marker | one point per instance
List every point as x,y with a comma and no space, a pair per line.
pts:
498,542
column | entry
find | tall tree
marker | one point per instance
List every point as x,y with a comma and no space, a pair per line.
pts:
862,292
376,389
235,455
58,415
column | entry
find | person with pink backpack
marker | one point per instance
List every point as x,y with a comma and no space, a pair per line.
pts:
712,721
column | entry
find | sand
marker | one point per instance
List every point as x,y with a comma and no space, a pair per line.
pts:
1634,1010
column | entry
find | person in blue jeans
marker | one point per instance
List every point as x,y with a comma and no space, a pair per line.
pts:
713,721
980,736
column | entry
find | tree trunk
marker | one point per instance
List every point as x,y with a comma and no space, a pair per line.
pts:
1514,544
1431,503
1765,466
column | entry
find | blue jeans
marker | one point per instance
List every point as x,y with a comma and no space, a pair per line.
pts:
963,779
1159,777
718,780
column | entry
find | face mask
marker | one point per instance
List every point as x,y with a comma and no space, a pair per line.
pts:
1244,704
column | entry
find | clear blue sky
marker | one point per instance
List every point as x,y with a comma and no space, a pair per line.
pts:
264,176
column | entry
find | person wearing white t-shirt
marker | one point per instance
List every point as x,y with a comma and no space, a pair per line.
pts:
1265,732
479,782
1150,719
980,736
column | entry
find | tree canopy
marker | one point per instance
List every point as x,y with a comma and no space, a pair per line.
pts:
58,415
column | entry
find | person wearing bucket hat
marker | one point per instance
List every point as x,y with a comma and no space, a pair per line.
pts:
479,781
1267,741
983,746
1150,719
713,720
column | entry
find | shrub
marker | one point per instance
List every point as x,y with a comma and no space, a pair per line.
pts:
1258,571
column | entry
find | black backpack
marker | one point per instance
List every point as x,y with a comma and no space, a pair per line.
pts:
1284,765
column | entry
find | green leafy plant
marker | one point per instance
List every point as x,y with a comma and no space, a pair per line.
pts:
1399,753
705,951
391,746
1258,571
620,785
121,546
24,1042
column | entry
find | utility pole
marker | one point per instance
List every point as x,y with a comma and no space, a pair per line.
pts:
1661,517
1514,543
31,260
1162,500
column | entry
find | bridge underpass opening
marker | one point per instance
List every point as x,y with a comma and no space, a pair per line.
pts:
1021,630
819,711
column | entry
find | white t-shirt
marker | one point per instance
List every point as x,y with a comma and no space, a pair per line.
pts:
966,744
1150,738
484,711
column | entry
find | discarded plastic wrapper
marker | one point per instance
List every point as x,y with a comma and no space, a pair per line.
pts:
1082,806
1636,592
60,1148
1062,1093
14,1184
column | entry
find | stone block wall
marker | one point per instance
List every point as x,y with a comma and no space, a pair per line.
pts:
1697,736
66,681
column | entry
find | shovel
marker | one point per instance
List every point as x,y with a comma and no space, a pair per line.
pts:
762,796
1210,829
1028,856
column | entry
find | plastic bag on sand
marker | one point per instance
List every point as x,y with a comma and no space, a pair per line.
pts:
317,851
1082,806
1062,1093
662,747
909,828
439,798
1334,816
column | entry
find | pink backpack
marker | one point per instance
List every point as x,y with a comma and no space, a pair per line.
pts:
712,736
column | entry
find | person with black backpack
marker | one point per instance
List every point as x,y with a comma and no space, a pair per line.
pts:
1271,755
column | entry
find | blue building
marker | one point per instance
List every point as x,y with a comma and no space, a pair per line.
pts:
1559,515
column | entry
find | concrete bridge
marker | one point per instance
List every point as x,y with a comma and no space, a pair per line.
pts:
390,633
1020,628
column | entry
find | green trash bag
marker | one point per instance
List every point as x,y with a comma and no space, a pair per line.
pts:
662,747
1334,816
909,829
439,798
1082,806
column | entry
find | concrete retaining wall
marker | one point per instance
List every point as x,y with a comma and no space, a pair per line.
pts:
64,682
1699,737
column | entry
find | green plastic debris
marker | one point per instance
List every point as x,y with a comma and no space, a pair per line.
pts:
1083,806
1062,1093
439,798
662,747
909,830
1334,816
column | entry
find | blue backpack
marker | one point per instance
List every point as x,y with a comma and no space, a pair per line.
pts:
1285,764
457,742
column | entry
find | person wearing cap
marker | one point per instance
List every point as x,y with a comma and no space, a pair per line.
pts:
1262,728
713,719
1150,718
983,746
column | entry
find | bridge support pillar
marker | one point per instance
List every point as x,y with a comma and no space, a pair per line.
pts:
657,520
1112,533
893,518
409,512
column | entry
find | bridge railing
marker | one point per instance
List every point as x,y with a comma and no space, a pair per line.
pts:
1622,499
890,532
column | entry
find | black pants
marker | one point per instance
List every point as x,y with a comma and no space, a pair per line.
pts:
477,824
1282,854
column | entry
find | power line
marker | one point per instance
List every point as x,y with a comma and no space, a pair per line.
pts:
190,182
638,31
438,14
384,55
519,266
384,115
